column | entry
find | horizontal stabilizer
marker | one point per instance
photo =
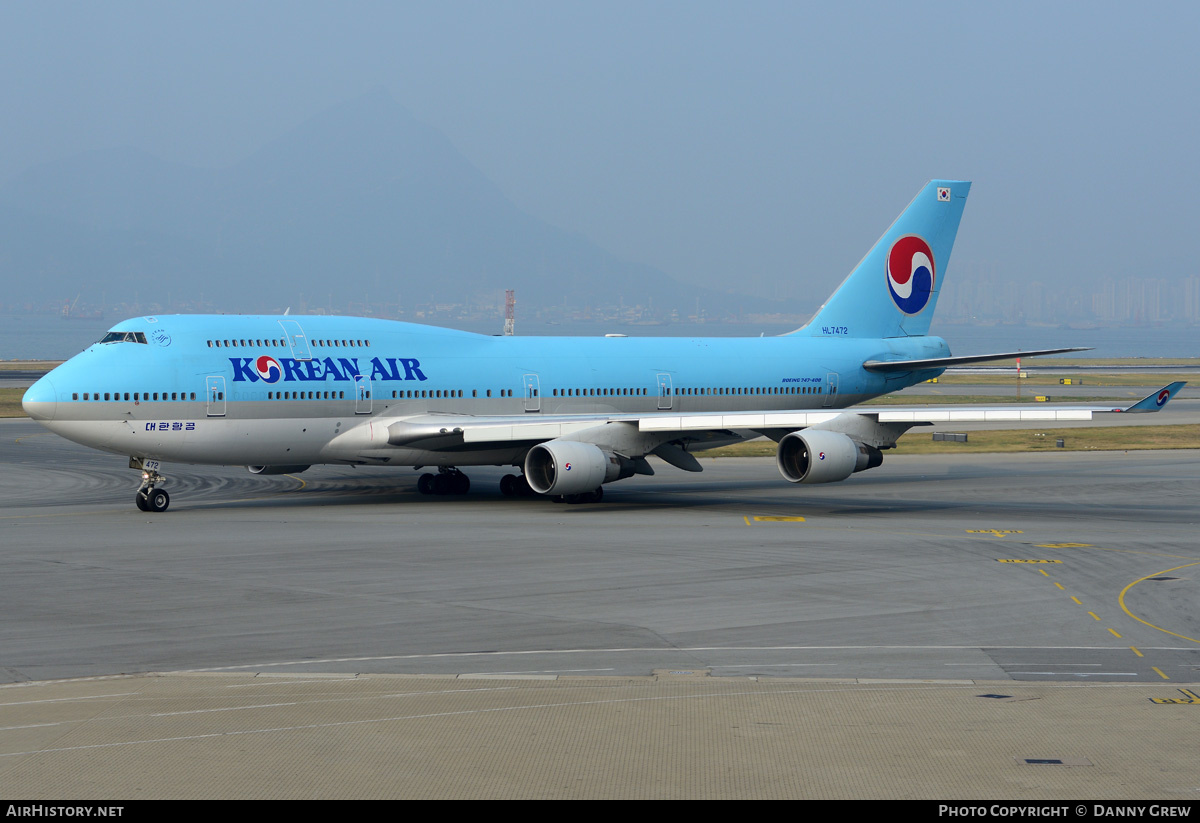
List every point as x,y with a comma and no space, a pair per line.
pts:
965,360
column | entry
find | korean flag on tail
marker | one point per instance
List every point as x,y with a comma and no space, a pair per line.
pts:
943,194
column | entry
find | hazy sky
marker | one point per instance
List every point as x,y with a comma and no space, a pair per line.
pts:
759,145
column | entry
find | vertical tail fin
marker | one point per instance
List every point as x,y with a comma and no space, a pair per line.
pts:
892,292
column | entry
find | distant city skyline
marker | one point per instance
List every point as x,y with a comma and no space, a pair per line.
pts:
1138,301
971,297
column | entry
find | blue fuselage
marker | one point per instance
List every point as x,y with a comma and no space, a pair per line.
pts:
175,375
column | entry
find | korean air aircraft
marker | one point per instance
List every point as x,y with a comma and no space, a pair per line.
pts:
279,394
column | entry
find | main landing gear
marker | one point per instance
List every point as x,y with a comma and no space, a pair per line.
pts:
515,485
594,496
448,480
149,498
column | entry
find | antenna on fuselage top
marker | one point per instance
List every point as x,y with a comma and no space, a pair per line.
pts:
287,311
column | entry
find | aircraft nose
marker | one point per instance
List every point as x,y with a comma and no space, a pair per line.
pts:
40,401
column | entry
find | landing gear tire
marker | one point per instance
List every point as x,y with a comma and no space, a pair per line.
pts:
594,496
446,482
515,485
157,500
451,482
149,497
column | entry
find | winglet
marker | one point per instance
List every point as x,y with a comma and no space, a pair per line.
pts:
1157,399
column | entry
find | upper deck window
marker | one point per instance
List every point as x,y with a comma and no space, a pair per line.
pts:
124,337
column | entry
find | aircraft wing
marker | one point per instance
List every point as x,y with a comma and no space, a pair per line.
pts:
913,415
451,431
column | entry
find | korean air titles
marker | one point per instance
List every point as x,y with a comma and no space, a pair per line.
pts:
268,369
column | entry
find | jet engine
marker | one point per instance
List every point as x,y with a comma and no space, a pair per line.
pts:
816,456
276,469
570,467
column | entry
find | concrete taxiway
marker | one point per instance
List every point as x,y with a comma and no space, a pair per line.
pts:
723,634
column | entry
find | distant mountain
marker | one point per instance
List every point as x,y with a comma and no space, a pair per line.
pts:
360,202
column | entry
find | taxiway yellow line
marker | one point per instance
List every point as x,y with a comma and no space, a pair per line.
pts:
1124,608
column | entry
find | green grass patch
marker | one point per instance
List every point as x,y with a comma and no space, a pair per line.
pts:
1093,438
29,365
1102,361
902,399
10,403
1150,380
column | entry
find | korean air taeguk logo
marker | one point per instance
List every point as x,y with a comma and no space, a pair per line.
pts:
910,273
268,369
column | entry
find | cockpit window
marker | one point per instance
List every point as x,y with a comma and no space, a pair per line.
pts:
124,337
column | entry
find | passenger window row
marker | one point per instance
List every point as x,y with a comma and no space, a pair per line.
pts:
273,343
758,390
299,395
140,397
690,392
413,393
343,343
598,392
144,397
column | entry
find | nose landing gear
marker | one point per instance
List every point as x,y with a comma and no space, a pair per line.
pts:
149,498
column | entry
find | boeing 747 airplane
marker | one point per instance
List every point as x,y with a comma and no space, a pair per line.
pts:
279,394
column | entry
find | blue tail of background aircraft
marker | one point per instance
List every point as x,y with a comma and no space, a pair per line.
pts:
892,292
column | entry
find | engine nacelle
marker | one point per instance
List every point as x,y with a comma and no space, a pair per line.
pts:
570,467
277,469
816,456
